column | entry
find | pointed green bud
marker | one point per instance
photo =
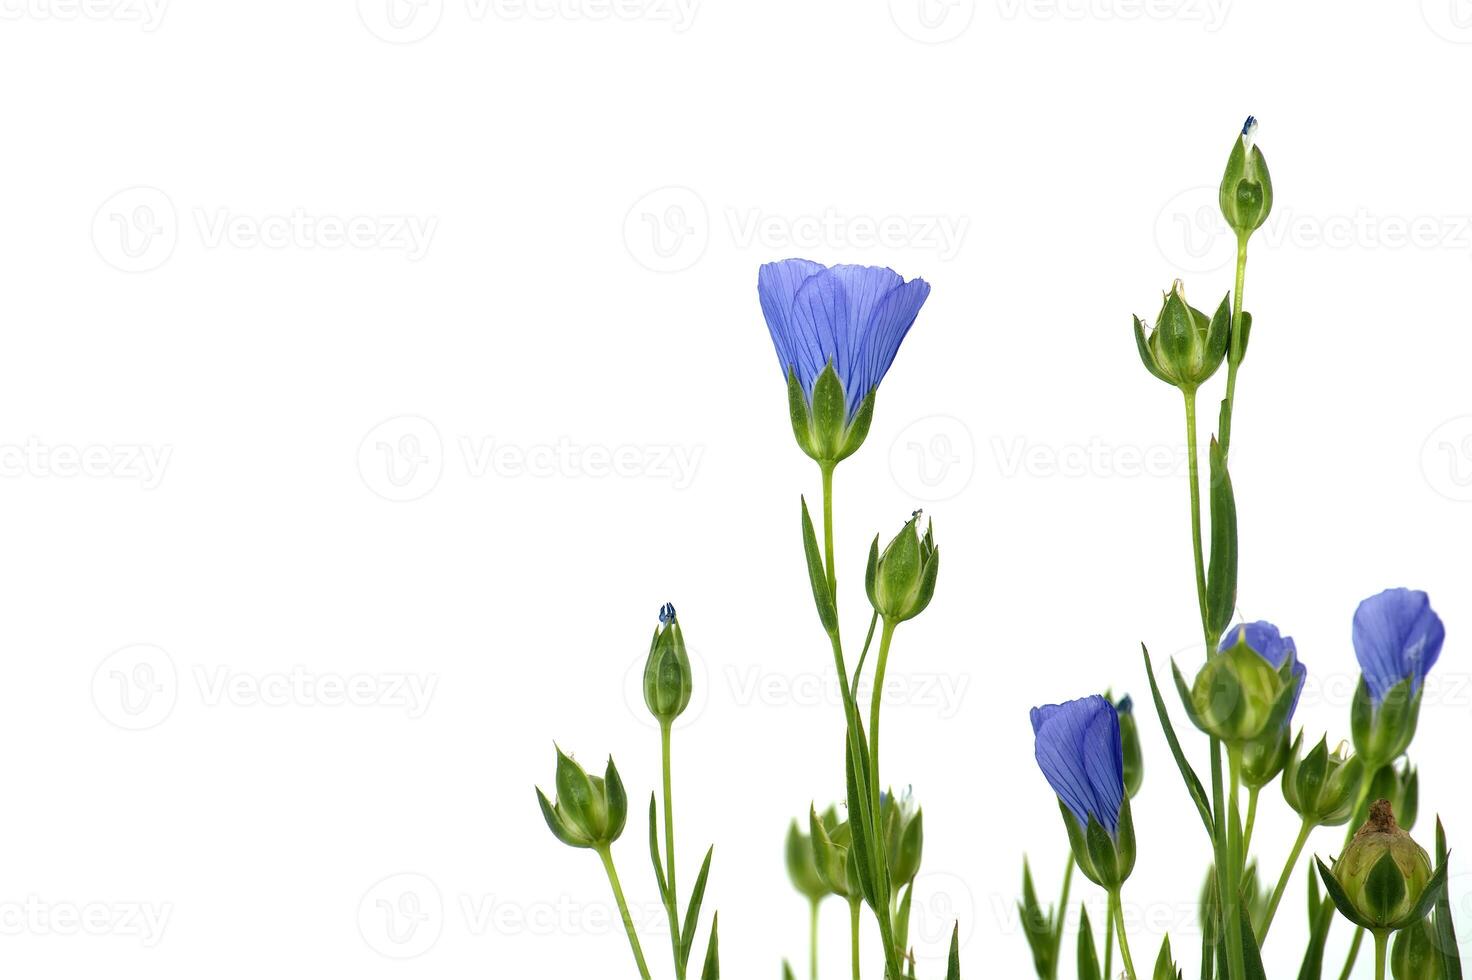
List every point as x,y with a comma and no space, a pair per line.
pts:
801,867
590,811
1383,880
667,679
1322,787
1414,955
831,843
901,580
1186,346
1246,193
904,836
1238,696
1129,742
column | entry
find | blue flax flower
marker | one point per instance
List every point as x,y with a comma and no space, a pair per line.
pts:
1078,749
1264,639
851,316
1397,637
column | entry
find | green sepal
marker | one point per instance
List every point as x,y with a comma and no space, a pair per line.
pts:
1165,965
618,801
1218,333
576,798
871,572
1088,954
712,968
692,911
559,828
1146,357
830,858
1102,854
797,409
1383,733
817,576
1221,577
858,426
1341,900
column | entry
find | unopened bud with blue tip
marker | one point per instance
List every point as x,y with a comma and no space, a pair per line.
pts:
1246,192
1249,689
667,680
1077,746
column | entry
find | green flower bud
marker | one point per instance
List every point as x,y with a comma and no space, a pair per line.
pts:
1414,955
1402,787
1383,881
1263,758
832,842
904,836
1186,346
901,580
589,811
1238,696
667,681
800,865
1246,193
1129,743
1322,787
1383,730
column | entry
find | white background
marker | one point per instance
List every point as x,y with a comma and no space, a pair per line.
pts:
324,331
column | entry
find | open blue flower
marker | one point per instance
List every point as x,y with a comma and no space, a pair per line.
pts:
1264,639
1397,637
1078,749
852,316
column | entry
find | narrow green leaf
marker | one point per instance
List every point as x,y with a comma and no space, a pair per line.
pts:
1321,918
787,971
692,911
712,969
654,853
1221,576
1206,955
1193,783
953,967
1251,956
822,596
863,844
1446,934
1088,954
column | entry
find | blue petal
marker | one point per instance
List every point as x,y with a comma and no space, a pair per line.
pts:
821,326
1078,749
1263,639
891,321
1396,636
777,284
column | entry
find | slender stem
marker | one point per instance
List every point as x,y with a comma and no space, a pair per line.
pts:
1109,949
1251,820
1116,911
1380,940
827,469
1234,354
1234,773
1195,468
1062,914
1226,874
669,847
1267,920
1354,953
853,931
813,939
864,653
623,909
875,701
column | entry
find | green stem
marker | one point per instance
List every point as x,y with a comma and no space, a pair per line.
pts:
1226,873
1251,821
853,932
1116,911
1267,921
1234,354
1109,949
1062,914
827,469
864,653
623,909
813,939
1354,953
875,700
669,847
1381,936
1196,552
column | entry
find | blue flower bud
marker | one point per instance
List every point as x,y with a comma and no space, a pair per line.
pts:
1077,746
1397,639
900,581
589,812
1129,740
1322,787
1186,346
1246,192
1249,689
836,331
667,680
